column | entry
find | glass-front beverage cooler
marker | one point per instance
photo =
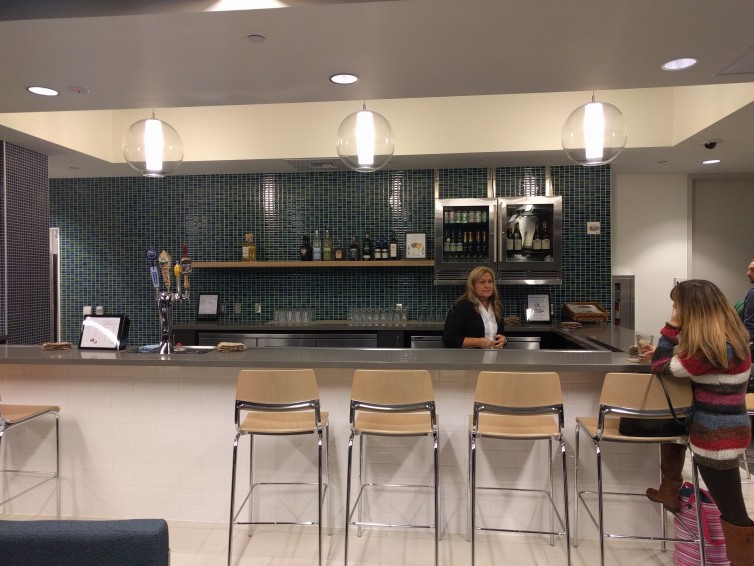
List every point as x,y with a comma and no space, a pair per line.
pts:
518,237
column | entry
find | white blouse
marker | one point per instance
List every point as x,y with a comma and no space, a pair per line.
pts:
490,323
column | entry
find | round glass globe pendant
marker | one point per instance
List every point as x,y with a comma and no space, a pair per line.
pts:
365,141
594,134
153,147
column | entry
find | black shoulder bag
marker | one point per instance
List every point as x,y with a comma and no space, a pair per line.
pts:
631,426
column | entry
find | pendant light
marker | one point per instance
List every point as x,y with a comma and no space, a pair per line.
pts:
365,141
594,134
153,147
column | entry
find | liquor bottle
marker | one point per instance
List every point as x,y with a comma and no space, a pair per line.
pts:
317,246
457,245
305,251
536,243
252,248
484,250
509,240
517,240
353,249
246,248
446,244
327,246
366,248
384,248
477,248
545,237
465,249
393,246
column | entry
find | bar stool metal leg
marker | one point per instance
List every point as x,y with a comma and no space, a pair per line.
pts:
564,460
576,495
436,441
251,481
348,494
232,497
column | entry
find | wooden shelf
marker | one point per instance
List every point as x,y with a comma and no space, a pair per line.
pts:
310,264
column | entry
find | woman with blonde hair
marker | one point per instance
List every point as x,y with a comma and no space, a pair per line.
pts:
706,341
476,319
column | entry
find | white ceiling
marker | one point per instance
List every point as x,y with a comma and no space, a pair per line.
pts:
175,53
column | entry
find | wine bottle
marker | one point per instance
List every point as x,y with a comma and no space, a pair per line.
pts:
366,248
327,246
517,240
317,246
305,251
509,240
393,246
545,237
353,249
536,243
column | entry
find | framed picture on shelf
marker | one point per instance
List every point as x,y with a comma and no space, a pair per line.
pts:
416,246
538,308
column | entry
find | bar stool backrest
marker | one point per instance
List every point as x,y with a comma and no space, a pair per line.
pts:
518,390
643,394
392,388
276,386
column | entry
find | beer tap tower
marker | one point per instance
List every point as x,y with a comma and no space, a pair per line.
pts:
166,298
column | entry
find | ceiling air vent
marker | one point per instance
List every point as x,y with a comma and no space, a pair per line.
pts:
312,165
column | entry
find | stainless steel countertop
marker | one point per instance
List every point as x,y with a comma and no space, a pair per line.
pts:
450,359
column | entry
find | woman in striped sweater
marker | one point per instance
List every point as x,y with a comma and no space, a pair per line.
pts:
705,341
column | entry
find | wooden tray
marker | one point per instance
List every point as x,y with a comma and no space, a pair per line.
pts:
585,312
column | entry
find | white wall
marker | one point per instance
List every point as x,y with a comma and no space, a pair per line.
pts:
722,233
651,240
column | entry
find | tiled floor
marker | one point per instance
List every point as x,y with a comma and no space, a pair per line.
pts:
203,544
206,544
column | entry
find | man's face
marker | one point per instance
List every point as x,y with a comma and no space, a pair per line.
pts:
750,272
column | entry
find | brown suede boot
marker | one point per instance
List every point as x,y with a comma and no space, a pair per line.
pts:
672,458
739,544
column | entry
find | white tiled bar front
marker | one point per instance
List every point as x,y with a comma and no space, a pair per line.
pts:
156,441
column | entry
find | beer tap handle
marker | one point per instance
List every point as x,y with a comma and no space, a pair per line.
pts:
152,256
185,268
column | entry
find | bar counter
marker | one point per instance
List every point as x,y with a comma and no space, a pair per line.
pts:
145,435
434,359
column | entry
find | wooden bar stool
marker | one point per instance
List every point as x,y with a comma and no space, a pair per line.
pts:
638,396
518,406
396,403
280,402
13,416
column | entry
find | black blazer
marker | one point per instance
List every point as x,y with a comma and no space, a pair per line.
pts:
464,321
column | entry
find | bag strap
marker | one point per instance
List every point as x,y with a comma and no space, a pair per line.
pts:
705,517
670,403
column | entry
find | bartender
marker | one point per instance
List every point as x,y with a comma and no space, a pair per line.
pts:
476,319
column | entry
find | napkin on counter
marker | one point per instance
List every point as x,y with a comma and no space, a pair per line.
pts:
568,324
57,346
231,347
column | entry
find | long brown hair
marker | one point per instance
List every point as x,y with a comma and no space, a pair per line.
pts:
708,323
471,296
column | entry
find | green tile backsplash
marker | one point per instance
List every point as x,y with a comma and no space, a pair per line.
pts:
106,226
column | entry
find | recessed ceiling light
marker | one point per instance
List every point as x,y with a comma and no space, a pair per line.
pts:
42,90
679,64
344,79
710,162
